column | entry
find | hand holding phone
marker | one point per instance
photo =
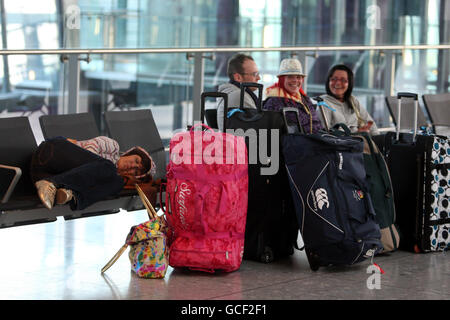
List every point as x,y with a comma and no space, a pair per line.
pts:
366,128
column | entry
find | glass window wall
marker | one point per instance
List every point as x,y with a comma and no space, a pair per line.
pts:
166,80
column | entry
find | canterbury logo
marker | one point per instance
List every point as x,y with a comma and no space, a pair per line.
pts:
322,198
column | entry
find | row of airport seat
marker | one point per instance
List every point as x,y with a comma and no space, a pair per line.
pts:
19,204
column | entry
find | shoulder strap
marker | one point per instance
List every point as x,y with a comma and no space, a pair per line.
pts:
352,104
115,258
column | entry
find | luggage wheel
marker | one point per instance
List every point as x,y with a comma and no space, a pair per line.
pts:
267,255
313,261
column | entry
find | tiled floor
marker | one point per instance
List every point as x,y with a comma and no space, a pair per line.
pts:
63,259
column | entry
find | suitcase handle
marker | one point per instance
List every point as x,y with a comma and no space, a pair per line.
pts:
320,103
401,95
191,129
214,94
245,85
289,128
407,95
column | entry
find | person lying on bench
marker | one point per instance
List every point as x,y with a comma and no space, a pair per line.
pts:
84,172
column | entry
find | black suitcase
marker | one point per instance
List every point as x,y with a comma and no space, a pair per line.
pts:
271,228
419,167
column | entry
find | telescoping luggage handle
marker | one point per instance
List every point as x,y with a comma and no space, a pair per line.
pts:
401,95
292,129
245,85
214,94
321,104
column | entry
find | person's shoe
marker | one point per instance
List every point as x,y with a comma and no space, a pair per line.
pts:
46,192
63,195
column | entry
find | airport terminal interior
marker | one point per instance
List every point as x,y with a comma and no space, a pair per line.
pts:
66,57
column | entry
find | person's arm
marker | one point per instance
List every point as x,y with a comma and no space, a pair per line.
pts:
374,129
220,108
272,104
370,126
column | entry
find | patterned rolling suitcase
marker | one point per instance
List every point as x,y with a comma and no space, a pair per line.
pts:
419,165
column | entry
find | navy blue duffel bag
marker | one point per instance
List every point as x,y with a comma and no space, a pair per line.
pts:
333,206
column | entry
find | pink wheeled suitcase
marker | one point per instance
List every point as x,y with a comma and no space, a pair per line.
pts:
206,200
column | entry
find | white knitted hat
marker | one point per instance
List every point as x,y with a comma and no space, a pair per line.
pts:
290,67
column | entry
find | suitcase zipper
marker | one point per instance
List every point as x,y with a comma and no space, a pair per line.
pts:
203,252
391,185
359,254
300,196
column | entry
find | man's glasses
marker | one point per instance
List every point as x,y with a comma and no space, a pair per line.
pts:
254,74
342,80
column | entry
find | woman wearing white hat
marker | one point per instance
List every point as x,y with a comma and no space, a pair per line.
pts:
288,92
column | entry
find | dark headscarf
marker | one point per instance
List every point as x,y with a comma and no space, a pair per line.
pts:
147,163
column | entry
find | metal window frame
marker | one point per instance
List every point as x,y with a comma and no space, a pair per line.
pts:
200,53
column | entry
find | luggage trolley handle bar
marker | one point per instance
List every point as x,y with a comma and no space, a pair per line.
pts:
401,95
214,94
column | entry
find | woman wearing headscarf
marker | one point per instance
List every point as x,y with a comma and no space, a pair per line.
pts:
288,92
83,172
348,110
